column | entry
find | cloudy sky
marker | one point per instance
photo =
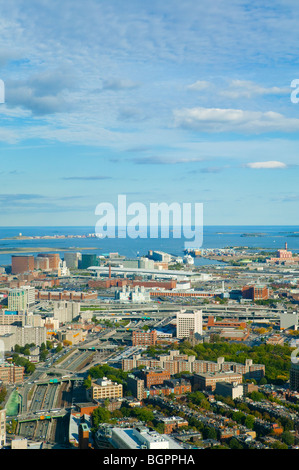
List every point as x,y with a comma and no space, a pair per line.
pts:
162,101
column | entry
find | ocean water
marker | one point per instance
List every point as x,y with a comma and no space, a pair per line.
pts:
265,237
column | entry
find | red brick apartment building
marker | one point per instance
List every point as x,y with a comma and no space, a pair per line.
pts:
154,377
172,424
167,389
144,338
11,374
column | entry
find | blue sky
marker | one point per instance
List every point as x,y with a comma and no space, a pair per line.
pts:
162,101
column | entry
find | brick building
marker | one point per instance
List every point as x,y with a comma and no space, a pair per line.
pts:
208,381
255,292
22,264
11,374
66,295
144,338
154,377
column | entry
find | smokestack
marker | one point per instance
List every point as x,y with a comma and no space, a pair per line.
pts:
109,271
286,246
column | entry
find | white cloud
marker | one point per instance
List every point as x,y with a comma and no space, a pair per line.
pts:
248,89
199,85
234,120
266,165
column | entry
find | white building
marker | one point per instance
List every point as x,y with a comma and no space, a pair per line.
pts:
288,320
141,438
63,270
31,334
65,312
187,322
136,295
232,390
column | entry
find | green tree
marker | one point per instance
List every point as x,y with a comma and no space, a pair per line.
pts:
279,445
288,438
100,415
209,433
249,421
235,444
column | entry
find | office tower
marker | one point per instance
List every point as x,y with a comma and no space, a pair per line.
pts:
88,259
72,259
188,322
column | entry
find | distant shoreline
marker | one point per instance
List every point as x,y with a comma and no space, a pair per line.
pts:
7,251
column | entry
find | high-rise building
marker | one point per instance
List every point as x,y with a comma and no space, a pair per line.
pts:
88,259
65,312
54,259
41,263
31,334
188,322
22,264
72,259
21,299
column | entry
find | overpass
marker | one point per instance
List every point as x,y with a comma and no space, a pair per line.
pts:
165,273
139,312
41,415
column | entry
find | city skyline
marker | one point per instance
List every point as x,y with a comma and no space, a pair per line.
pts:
164,103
